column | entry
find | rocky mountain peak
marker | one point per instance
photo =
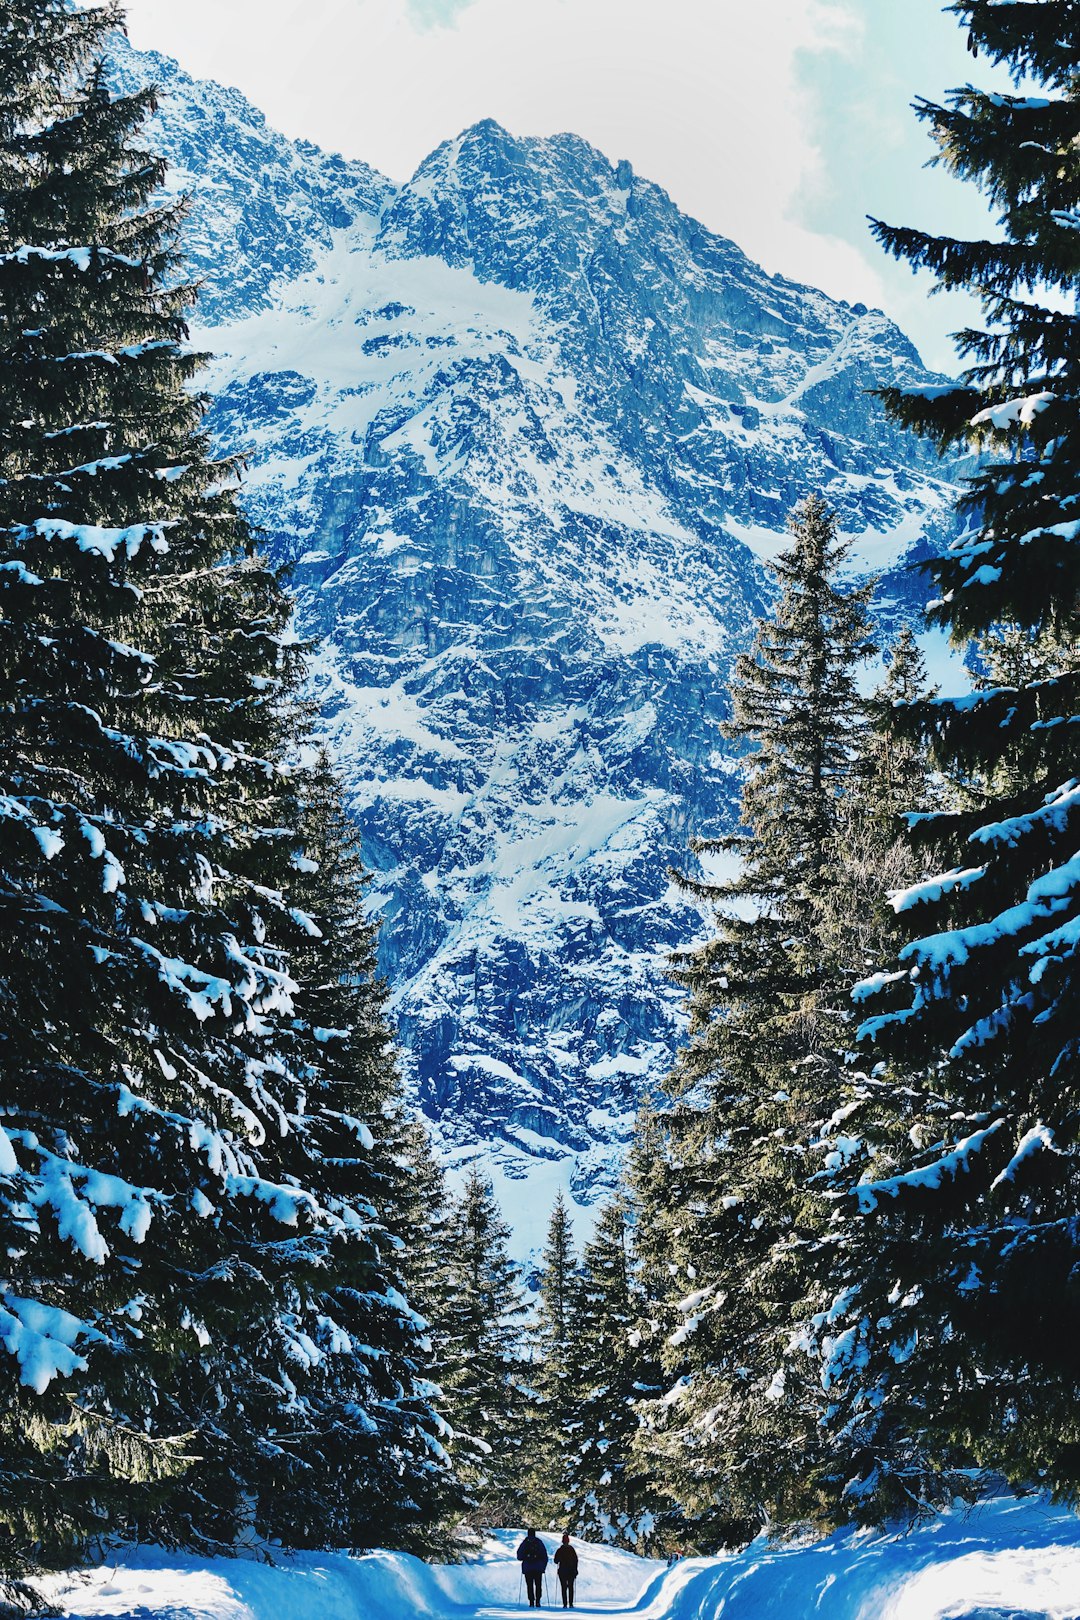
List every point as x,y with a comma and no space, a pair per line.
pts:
530,435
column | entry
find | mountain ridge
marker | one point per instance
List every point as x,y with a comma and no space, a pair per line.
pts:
528,436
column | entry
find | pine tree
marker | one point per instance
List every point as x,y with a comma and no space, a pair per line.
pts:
659,1184
368,1422
608,1493
896,767
893,778
416,1208
478,1338
959,1317
763,1072
551,1373
170,1207
558,1263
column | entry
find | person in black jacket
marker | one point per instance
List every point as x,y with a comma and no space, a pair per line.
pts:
566,1564
533,1556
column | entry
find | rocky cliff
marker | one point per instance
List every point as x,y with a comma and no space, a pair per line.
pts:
529,436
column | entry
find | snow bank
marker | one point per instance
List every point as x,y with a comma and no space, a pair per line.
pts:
1008,1560
377,1586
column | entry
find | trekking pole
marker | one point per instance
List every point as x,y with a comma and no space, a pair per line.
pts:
521,1584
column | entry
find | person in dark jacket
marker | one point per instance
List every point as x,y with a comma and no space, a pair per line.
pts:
534,1558
566,1564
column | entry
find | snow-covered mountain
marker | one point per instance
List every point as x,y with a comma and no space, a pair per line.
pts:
528,434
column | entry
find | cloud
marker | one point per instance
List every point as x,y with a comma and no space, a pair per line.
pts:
436,13
713,99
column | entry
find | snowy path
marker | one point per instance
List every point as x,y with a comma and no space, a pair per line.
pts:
1007,1561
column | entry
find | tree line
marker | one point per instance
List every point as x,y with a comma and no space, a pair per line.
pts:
238,1305
854,1212
207,1171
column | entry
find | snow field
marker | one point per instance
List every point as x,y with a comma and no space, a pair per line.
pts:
1007,1560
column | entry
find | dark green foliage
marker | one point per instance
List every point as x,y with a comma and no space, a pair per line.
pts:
551,1373
892,779
558,1268
895,768
478,1353
368,1425
961,1315
608,1496
415,1208
198,1314
735,1207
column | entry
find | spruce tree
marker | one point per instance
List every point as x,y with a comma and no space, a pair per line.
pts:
959,1316
558,1264
896,767
762,1074
893,778
551,1370
415,1205
608,1493
368,1424
172,1208
478,1338
660,1185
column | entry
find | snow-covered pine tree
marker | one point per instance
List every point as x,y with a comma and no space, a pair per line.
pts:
893,776
897,768
166,1207
416,1208
550,1368
478,1338
761,1075
608,1492
367,1422
964,1220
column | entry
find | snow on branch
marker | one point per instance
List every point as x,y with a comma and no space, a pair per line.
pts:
1039,1139
80,257
949,1167
205,993
1021,411
936,888
74,1193
1053,815
42,1339
1052,893
92,537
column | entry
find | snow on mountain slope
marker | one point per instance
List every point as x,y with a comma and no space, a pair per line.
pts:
261,208
526,433
1008,1560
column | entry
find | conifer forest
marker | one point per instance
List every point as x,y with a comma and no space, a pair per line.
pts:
263,1292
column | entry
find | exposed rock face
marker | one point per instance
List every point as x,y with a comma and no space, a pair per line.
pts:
527,433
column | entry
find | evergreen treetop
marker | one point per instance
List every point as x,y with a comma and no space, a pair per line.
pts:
557,1267
478,1336
762,1074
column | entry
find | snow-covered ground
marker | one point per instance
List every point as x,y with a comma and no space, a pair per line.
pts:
1007,1560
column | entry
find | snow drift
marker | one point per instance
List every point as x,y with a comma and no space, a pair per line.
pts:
1008,1560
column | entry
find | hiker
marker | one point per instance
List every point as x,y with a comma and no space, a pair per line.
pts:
566,1564
533,1556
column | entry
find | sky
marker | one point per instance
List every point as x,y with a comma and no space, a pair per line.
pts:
779,123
